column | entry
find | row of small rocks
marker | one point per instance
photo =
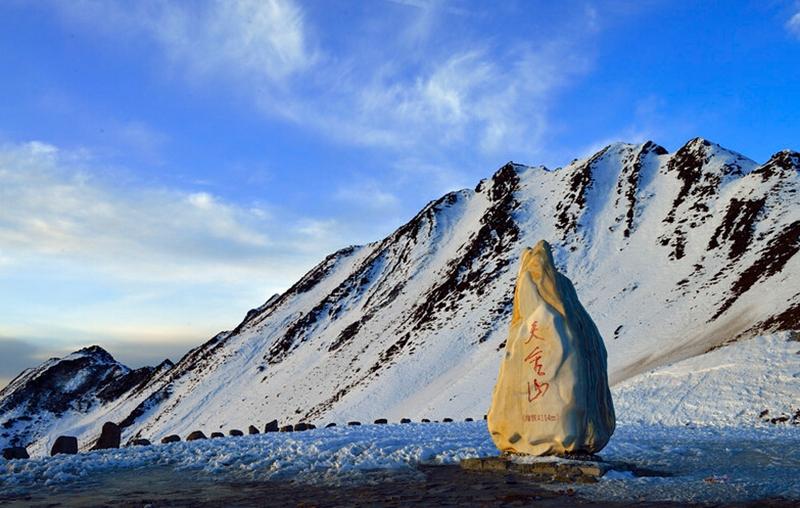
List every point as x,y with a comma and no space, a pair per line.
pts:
111,435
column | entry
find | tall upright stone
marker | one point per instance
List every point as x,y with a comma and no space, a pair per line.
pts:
551,395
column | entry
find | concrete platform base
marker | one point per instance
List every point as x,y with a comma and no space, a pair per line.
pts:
559,470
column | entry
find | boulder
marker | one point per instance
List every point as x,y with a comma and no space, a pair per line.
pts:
287,428
468,420
15,452
110,437
271,426
140,442
300,427
332,424
405,420
425,420
381,421
252,430
447,420
551,395
311,426
216,435
194,436
65,444
174,438
235,432
353,423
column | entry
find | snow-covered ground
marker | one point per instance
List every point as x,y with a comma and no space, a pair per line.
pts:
691,463
730,386
695,423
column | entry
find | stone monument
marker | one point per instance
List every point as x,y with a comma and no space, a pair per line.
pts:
551,396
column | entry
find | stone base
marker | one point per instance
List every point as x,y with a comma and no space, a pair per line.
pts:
569,471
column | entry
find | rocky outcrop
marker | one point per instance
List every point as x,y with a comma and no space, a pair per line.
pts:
552,395
271,426
172,438
64,445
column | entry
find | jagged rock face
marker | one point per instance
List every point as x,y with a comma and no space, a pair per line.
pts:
551,396
672,253
76,385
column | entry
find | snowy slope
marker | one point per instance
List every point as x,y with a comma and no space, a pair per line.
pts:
672,254
753,382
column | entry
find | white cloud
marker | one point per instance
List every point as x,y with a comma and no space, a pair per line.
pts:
397,87
793,25
61,208
367,194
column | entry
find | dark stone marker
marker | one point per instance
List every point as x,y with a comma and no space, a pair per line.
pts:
332,424
287,428
425,420
15,452
235,432
252,430
194,436
447,420
353,424
468,420
140,442
405,420
381,421
215,435
109,437
174,438
65,444
300,427
272,426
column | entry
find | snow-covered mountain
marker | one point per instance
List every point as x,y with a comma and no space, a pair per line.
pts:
673,255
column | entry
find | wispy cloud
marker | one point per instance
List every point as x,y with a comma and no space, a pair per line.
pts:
62,207
793,25
398,88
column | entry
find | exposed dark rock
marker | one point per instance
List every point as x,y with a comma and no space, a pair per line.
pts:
110,437
173,438
311,426
300,427
771,260
425,420
468,419
140,442
271,426
252,430
287,428
235,432
216,435
15,452
447,420
353,423
405,420
194,436
381,421
65,444
332,424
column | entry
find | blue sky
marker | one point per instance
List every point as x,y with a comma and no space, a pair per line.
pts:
166,166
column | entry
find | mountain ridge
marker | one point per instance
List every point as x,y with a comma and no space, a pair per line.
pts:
673,254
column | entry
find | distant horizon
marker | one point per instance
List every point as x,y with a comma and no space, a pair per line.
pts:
171,166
